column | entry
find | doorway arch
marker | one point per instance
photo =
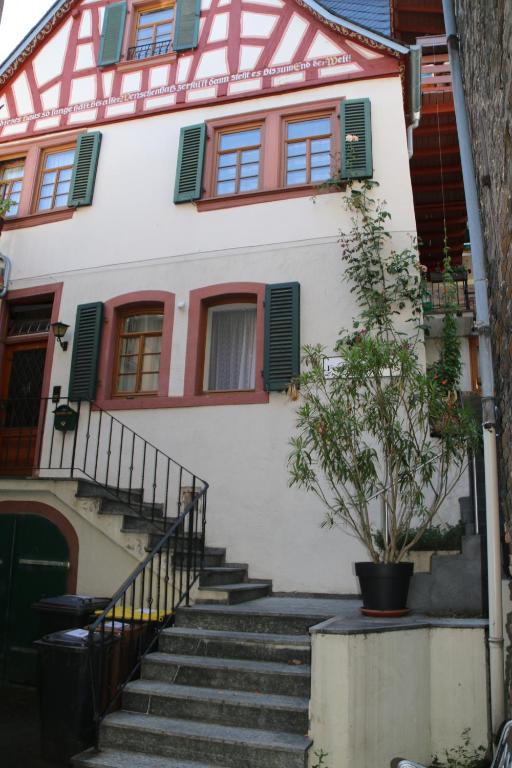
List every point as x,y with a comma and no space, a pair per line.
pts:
38,559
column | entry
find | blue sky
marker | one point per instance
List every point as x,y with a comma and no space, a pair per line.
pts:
18,18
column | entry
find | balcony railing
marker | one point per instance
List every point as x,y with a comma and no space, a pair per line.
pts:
436,73
149,49
440,295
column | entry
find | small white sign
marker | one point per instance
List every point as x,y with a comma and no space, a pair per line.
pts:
330,365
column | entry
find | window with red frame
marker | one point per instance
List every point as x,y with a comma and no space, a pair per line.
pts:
139,346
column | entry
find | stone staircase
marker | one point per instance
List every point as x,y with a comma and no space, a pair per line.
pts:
453,584
229,687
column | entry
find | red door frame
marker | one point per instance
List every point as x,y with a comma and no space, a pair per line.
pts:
55,291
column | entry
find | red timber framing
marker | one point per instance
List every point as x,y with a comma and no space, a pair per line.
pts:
245,49
435,165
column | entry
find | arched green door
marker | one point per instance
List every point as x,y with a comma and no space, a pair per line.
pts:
34,563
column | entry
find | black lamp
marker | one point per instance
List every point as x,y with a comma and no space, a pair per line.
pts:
59,331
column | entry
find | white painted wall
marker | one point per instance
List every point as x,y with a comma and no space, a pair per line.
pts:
407,693
133,217
134,238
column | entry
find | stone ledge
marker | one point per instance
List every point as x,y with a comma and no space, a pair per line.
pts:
355,624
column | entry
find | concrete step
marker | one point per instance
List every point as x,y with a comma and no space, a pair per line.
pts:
225,574
233,594
267,712
146,524
220,745
238,619
182,543
88,489
136,511
213,557
110,758
233,674
236,645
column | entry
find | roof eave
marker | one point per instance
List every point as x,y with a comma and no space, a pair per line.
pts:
39,27
316,7
364,31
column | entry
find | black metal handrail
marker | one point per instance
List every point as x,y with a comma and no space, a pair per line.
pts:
149,49
439,295
130,625
80,440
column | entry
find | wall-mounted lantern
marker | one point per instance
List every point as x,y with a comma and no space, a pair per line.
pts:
59,331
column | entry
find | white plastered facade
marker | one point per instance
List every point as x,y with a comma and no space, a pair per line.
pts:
133,238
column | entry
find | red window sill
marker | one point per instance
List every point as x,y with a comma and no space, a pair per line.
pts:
129,64
263,196
187,401
34,219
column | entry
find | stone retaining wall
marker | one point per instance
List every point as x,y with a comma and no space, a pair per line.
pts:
485,31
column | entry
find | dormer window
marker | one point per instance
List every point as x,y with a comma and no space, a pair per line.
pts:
153,32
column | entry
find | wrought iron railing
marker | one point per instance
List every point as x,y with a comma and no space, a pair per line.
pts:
64,439
130,625
439,294
61,439
149,49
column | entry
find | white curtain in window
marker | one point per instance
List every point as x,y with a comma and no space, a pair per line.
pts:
232,349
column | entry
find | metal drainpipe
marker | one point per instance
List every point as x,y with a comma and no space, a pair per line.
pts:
496,655
414,63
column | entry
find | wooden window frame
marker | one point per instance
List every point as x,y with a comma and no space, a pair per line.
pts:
272,163
121,317
218,152
41,171
285,142
31,151
130,304
12,163
204,328
201,300
139,8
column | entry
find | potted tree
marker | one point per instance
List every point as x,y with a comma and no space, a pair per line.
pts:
364,442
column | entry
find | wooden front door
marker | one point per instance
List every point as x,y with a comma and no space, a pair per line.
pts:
20,406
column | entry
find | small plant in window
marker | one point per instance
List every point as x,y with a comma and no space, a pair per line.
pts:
5,205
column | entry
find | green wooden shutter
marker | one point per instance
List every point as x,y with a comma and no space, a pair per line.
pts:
81,189
356,156
189,173
112,34
86,350
186,24
282,335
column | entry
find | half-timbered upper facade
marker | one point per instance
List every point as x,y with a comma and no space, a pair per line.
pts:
70,76
167,165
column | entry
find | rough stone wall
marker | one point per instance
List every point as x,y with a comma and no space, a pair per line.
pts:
485,32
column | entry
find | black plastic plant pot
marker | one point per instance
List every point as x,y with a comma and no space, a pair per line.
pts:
384,586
